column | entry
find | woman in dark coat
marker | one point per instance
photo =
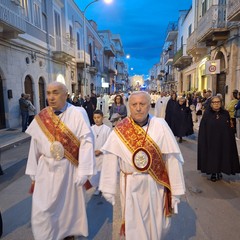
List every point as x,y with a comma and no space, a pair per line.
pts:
170,109
183,124
217,149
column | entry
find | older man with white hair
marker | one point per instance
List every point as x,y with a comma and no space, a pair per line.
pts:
151,177
60,160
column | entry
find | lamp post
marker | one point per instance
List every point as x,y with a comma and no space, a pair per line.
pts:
84,48
85,43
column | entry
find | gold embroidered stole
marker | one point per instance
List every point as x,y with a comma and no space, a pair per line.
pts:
56,130
133,136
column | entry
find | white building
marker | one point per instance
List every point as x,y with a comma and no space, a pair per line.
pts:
44,41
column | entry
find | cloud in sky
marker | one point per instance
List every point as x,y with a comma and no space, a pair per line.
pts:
141,24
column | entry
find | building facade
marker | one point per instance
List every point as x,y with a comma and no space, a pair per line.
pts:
43,41
208,33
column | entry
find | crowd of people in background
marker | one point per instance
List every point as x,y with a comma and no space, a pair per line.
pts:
172,106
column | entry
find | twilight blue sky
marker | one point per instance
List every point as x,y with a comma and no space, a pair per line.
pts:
141,24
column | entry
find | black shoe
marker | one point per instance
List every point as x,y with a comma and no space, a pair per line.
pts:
213,177
69,238
219,176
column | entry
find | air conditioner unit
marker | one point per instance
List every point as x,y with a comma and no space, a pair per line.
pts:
17,2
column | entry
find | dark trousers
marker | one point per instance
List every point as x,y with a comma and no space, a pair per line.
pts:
30,118
25,116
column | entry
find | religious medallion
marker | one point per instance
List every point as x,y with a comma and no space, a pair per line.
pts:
141,159
57,150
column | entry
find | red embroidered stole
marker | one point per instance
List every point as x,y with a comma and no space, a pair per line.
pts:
132,135
56,130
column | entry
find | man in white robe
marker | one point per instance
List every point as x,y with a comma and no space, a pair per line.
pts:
106,99
58,204
142,197
101,104
161,104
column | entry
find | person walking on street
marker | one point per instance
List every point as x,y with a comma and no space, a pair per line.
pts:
170,109
88,106
207,99
101,104
101,133
237,117
60,161
31,109
151,176
161,104
93,99
118,110
183,124
217,149
199,111
231,108
24,105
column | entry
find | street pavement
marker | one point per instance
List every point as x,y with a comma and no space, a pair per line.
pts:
208,211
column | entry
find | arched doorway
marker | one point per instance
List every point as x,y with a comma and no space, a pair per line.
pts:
41,89
221,78
2,110
28,86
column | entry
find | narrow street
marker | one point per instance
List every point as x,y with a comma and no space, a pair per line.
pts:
208,211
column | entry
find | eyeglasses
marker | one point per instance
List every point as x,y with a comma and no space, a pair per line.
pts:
214,102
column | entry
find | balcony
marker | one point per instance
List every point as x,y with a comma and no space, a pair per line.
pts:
64,50
109,51
12,20
181,59
233,10
112,67
213,26
172,32
93,69
168,57
194,48
120,71
80,57
119,60
168,78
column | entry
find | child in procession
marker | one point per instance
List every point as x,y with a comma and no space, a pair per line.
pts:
101,133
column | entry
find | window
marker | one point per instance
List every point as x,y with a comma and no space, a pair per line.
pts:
78,41
24,4
189,30
37,18
44,22
57,24
204,6
44,16
71,35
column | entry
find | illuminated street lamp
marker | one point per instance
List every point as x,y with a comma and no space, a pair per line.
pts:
84,43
